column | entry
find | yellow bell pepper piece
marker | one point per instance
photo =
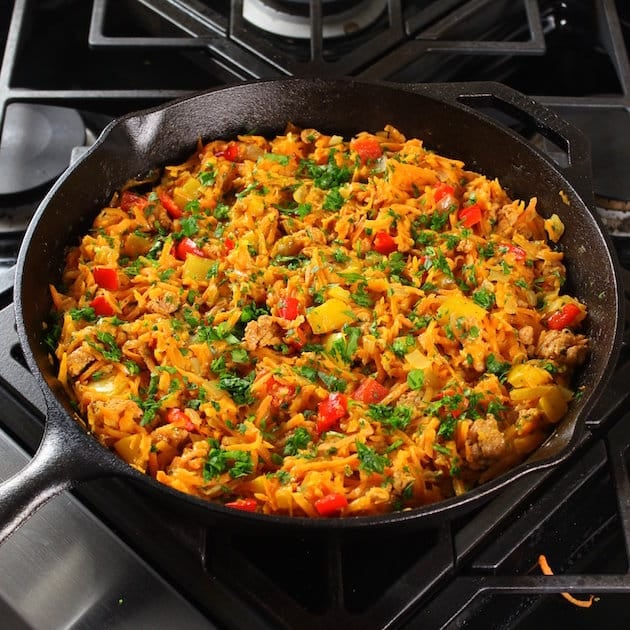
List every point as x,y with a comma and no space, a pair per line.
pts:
335,291
530,393
257,484
537,392
134,449
333,314
554,404
183,194
136,245
284,498
460,306
196,267
527,375
418,360
554,227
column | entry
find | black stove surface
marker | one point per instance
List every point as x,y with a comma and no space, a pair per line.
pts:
107,556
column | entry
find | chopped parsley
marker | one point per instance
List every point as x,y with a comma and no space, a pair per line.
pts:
340,256
300,210
240,355
87,313
107,347
495,408
441,449
333,383
326,176
309,373
221,212
188,227
277,157
439,220
221,332
397,417
149,405
361,296
369,460
53,333
484,298
415,379
237,387
297,441
237,463
447,427
252,311
401,345
333,200
487,250
132,367
290,262
497,367
207,177
345,347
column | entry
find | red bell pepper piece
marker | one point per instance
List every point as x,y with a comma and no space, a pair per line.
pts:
330,410
229,244
442,190
370,392
130,199
384,243
106,277
518,252
246,505
470,215
177,417
174,211
230,153
367,148
102,307
188,246
288,307
564,318
331,504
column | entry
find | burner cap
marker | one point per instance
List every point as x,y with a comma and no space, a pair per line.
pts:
615,215
36,144
290,18
608,131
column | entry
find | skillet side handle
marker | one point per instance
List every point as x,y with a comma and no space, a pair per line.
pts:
65,457
29,489
485,96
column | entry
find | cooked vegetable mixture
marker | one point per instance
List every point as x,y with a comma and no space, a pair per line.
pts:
319,326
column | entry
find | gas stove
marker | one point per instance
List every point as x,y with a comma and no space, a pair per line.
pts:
106,555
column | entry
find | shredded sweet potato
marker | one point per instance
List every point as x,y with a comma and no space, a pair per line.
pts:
309,325
582,603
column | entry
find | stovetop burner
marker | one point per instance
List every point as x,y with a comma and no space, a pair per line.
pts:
35,148
36,144
292,19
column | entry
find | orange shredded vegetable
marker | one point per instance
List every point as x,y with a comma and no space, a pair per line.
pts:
582,603
289,319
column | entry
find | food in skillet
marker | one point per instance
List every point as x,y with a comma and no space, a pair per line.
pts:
311,325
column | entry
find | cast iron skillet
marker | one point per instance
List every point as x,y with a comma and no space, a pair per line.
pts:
446,116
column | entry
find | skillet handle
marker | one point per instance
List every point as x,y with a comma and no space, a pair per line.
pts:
504,105
65,457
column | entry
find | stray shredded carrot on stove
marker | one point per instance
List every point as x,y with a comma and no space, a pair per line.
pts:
582,603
